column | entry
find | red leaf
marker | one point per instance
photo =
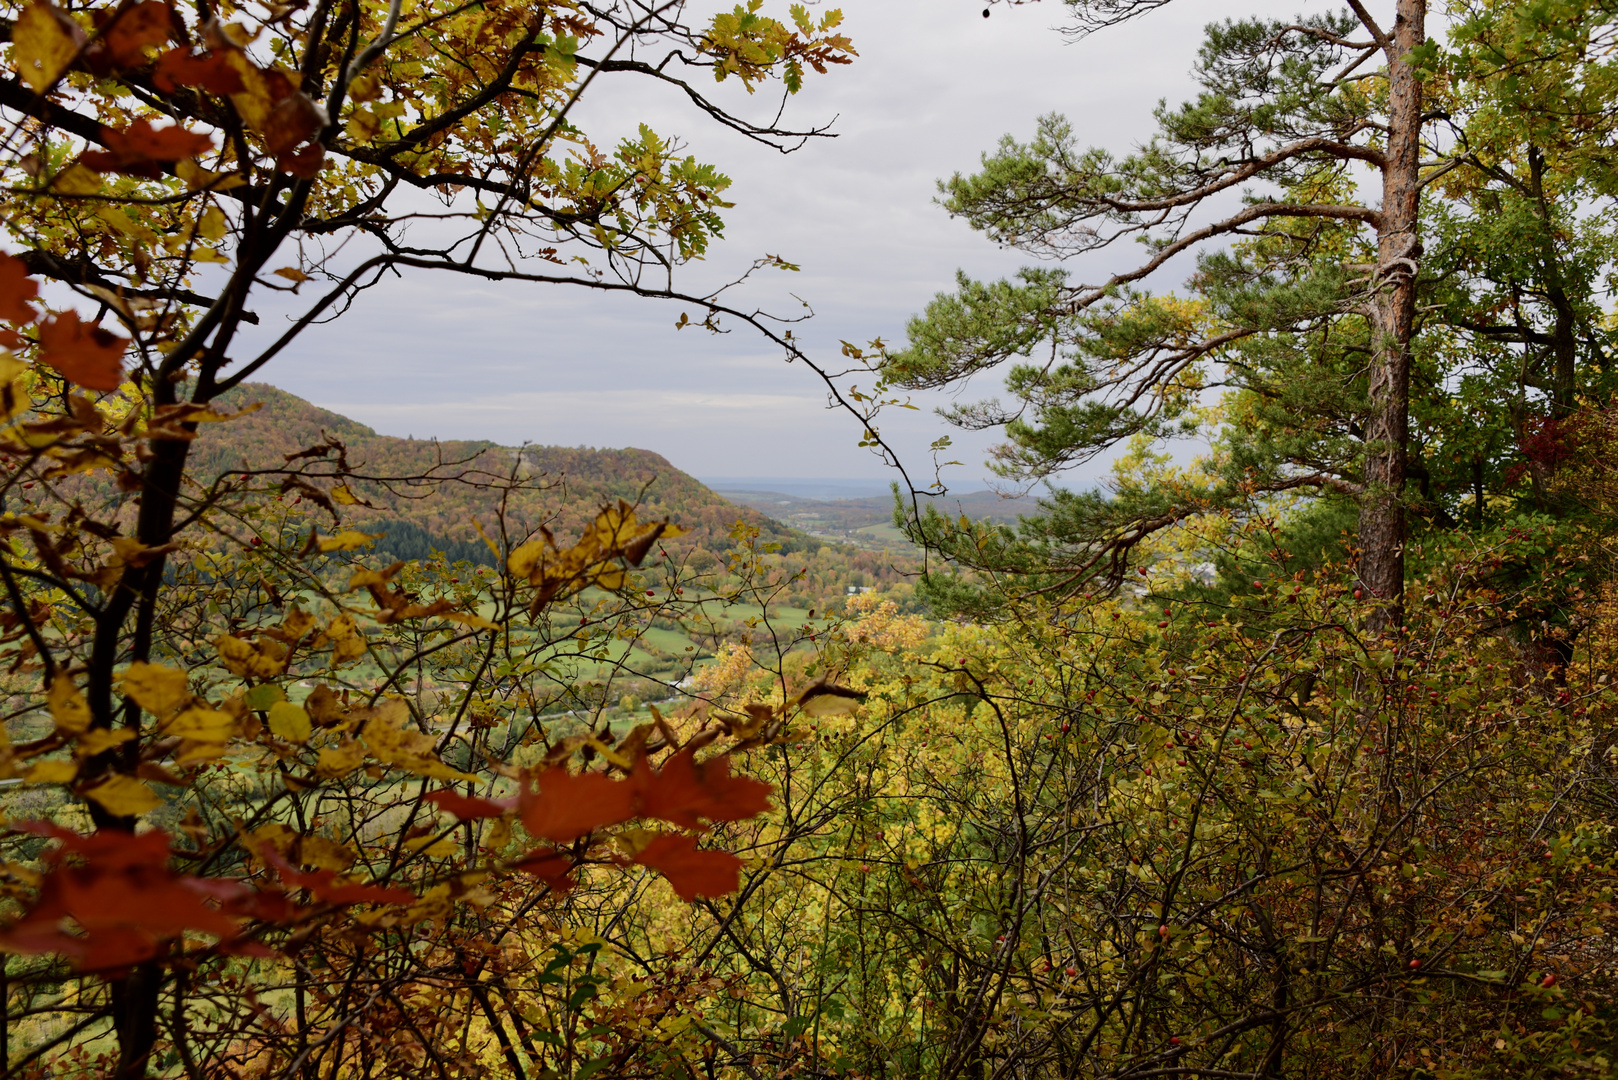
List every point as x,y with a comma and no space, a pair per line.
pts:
552,867
215,73
83,352
566,806
305,163
293,119
683,791
16,289
142,150
323,884
693,873
133,29
465,808
124,898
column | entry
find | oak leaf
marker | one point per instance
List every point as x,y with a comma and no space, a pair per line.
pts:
84,353
693,873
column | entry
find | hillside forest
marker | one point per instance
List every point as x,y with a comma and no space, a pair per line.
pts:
329,755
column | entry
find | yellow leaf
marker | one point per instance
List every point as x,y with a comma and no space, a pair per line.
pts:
391,741
52,772
525,556
158,689
76,180
198,179
192,751
323,854
341,494
68,707
203,725
43,44
212,224
290,722
292,273
477,622
262,660
347,540
340,760
438,849
94,742
124,796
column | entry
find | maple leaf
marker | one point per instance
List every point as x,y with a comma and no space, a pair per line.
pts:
693,873
126,31
565,807
84,353
213,72
465,807
142,150
123,897
16,289
551,867
683,791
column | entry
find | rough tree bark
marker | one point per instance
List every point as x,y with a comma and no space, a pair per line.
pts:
1392,312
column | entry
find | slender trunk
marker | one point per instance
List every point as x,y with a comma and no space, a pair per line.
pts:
1392,312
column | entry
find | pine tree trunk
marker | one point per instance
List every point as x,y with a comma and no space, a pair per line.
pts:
1392,312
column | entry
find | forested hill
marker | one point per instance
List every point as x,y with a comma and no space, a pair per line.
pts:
566,486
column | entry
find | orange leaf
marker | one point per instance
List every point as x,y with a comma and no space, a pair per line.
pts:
134,28
551,867
83,352
693,873
16,289
465,808
124,898
141,149
213,73
566,806
683,791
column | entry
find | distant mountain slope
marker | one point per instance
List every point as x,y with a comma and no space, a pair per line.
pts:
575,482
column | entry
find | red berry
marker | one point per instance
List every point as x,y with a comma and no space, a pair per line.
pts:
1174,1040
1414,964
1548,981
1071,971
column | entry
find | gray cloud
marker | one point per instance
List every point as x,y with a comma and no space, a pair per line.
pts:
935,85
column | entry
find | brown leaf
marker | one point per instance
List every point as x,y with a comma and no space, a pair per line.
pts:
142,150
565,807
684,792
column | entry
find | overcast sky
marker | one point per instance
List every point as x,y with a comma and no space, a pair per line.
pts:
935,85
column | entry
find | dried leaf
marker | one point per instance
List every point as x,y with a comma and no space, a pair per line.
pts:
52,772
684,791
340,760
